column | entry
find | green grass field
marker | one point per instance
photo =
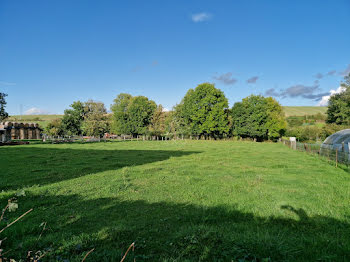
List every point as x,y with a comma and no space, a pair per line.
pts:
304,110
177,200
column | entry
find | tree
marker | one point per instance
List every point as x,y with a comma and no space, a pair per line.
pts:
3,113
95,120
119,108
258,117
140,112
132,115
276,123
157,125
203,111
85,118
339,105
55,128
73,119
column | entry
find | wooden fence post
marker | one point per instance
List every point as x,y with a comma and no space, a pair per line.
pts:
336,157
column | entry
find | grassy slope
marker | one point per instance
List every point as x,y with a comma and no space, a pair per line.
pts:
304,110
180,201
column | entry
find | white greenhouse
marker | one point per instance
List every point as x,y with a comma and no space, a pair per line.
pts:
339,142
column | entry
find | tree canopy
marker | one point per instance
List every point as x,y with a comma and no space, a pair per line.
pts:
95,119
132,115
73,119
258,117
84,118
339,105
3,113
158,124
203,111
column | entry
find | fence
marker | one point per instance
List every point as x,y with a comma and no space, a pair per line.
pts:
83,139
338,155
70,139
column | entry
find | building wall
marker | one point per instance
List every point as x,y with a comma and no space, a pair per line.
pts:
14,130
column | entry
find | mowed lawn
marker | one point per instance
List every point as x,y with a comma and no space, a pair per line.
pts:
177,200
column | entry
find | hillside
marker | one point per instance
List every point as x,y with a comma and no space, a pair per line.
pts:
304,110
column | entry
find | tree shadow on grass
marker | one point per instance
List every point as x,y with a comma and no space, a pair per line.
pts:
175,232
27,166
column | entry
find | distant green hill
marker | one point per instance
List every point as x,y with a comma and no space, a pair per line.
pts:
42,120
304,110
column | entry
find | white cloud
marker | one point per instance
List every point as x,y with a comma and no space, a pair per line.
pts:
35,111
201,17
325,99
165,109
4,83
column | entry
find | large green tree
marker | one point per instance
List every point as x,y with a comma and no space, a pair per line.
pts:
120,123
203,111
158,123
339,105
140,112
132,115
73,119
258,117
3,113
95,119
54,128
85,118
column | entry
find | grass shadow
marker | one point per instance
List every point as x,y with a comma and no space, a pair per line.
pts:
175,232
27,166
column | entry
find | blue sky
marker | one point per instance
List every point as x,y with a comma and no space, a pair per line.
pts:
55,52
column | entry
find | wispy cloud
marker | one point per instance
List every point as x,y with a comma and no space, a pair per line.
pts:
319,76
299,91
227,78
35,111
325,99
136,69
252,80
201,17
315,97
4,83
272,92
346,71
303,91
331,73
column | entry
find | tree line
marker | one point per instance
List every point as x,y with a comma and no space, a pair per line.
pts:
202,113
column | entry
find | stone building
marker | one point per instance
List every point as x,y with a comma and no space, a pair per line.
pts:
14,130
